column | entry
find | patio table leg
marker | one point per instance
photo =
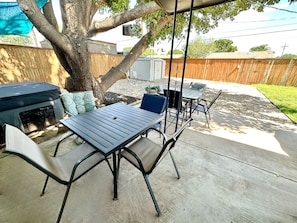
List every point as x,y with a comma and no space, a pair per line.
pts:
115,172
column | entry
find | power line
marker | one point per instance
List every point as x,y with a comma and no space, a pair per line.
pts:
257,21
232,31
254,34
285,10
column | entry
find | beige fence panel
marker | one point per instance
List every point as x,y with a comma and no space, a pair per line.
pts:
20,64
243,71
101,63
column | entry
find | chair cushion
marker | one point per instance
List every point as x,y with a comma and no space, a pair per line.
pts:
78,98
78,102
154,103
69,104
67,161
146,150
89,101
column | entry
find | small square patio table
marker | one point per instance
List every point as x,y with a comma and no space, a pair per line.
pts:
192,95
189,94
110,128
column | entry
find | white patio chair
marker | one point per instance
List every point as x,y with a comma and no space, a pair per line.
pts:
65,169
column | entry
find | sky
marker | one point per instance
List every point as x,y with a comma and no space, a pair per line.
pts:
275,27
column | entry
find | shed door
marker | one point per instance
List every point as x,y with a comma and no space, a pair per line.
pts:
158,69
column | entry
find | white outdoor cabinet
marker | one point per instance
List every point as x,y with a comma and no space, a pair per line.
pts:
149,69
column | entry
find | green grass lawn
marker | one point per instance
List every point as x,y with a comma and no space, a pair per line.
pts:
285,98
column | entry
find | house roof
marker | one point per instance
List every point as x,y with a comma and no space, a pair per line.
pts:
185,5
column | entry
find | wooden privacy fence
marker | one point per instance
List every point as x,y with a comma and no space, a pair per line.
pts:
20,64
242,71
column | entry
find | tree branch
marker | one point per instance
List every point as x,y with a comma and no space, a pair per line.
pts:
30,8
119,19
136,51
50,15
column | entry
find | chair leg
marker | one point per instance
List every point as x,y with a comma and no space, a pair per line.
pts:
206,118
152,194
63,204
175,166
64,200
44,186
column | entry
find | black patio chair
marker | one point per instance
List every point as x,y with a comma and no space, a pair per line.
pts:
204,106
175,104
65,169
145,155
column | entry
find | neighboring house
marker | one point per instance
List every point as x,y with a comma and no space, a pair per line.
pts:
237,55
94,46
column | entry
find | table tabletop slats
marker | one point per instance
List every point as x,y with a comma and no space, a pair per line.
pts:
111,127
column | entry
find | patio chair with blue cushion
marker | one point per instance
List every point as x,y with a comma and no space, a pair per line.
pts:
65,169
146,155
154,103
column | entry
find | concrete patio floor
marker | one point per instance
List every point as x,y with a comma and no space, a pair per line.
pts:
241,169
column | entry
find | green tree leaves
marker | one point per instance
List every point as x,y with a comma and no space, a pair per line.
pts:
263,47
224,45
200,48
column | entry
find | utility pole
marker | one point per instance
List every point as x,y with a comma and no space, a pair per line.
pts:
284,48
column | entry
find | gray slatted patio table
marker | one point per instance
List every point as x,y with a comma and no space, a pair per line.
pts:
110,128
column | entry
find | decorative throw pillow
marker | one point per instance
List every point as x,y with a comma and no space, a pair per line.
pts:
78,98
89,101
70,107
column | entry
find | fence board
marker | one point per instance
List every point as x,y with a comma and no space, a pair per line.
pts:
292,74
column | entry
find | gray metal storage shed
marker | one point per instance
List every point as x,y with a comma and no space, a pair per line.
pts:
148,69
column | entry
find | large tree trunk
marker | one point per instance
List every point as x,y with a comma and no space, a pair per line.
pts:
81,76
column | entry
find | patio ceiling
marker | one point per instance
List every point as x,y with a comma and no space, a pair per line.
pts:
185,5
